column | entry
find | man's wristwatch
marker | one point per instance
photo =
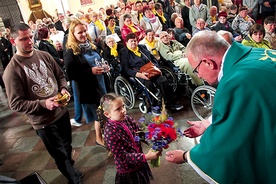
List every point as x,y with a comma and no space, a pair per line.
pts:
185,160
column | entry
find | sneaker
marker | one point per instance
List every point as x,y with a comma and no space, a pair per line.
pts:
176,107
74,123
156,111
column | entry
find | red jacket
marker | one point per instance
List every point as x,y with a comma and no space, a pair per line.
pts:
126,30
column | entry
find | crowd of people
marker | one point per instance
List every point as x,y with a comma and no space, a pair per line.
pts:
127,36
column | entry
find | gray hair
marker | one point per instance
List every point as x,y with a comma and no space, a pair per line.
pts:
67,21
206,43
109,37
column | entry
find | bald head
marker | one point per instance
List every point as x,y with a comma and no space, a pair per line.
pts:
205,52
226,35
206,43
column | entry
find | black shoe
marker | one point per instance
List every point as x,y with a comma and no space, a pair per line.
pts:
176,107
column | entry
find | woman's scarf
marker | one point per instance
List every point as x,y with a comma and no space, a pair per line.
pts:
84,47
151,45
99,24
136,51
112,29
133,30
150,20
140,16
162,17
113,50
214,18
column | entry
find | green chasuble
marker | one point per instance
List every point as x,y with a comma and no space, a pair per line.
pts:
240,145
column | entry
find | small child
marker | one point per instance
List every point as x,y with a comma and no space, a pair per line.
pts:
119,132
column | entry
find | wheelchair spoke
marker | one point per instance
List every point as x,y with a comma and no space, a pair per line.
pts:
202,101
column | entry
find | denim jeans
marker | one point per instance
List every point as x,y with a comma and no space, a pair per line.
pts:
90,112
77,104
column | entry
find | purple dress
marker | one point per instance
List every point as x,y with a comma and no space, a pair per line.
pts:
131,164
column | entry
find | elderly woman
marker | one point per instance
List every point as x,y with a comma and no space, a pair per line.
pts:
130,27
255,38
111,54
133,57
150,21
242,22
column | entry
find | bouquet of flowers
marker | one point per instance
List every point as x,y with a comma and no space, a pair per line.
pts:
159,131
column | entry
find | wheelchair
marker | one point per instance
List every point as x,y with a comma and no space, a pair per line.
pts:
109,77
176,78
132,88
202,97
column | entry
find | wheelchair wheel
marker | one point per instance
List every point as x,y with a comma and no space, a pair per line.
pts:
123,88
143,108
108,82
171,77
202,101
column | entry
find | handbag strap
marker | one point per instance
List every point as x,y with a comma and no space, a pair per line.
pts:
145,56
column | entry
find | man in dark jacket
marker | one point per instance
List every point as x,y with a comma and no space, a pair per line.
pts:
5,50
58,24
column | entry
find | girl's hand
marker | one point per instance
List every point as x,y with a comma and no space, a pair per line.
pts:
152,154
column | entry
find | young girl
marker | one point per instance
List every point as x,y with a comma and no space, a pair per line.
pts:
119,132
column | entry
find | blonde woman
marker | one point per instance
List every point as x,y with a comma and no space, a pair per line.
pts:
79,51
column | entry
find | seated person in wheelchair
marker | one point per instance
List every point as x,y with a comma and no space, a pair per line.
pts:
151,42
172,50
111,54
133,57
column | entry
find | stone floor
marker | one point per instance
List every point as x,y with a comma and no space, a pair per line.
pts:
22,152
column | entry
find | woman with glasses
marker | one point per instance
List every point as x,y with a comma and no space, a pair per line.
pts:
111,54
